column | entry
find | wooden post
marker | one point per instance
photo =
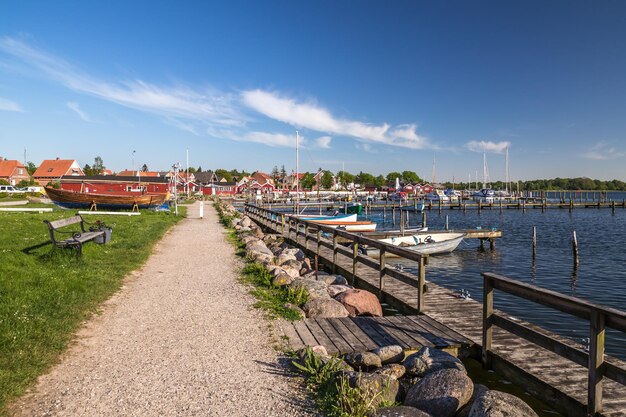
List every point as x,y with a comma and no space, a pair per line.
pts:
613,207
401,222
385,212
479,206
575,248
487,325
319,237
534,242
596,360
335,246
423,219
420,286
447,222
355,261
464,208
440,206
306,237
282,225
500,206
381,273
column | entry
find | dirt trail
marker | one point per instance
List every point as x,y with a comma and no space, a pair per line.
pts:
179,339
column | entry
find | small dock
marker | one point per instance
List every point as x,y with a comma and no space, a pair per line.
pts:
359,334
575,381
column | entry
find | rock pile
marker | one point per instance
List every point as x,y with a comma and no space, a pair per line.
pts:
328,295
428,383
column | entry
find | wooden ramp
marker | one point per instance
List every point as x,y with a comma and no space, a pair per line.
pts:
359,334
548,376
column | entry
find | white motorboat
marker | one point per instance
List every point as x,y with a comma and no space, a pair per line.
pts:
425,243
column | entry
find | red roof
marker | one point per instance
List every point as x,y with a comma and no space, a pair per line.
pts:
131,173
55,168
7,167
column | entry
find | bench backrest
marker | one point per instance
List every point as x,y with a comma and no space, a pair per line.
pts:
64,222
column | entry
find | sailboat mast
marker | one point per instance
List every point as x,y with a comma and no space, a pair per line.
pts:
508,175
484,170
433,177
297,177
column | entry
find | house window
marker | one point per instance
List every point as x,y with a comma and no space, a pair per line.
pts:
20,171
50,169
129,188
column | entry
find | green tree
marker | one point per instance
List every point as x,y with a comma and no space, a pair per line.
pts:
410,177
283,174
391,177
308,181
364,179
144,168
345,178
87,170
222,173
275,174
31,168
380,181
98,166
327,180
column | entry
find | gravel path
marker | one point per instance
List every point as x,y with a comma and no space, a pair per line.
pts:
179,339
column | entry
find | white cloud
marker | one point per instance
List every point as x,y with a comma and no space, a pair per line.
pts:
314,117
206,105
487,146
323,142
8,105
76,108
603,151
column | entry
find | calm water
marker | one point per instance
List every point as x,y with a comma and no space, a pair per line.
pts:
600,277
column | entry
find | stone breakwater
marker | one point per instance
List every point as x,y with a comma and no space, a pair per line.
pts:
426,383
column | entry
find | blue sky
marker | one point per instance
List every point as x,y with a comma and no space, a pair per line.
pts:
371,86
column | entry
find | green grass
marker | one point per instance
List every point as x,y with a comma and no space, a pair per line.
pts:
45,293
269,297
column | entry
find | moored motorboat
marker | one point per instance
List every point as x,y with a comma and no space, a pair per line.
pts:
344,218
82,200
428,243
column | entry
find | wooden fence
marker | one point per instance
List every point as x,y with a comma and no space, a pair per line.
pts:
321,236
599,318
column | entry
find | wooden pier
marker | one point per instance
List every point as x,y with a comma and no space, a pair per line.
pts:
550,367
359,334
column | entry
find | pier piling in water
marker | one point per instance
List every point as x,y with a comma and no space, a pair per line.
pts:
423,219
534,242
575,248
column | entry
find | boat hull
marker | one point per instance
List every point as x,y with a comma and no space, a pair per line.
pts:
342,218
77,200
439,243
349,227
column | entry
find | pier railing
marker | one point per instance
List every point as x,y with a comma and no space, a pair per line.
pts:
322,236
599,317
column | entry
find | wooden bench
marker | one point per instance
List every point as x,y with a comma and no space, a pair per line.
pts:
77,239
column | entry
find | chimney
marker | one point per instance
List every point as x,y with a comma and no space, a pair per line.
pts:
58,158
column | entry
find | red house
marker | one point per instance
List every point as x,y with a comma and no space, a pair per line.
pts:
13,171
54,169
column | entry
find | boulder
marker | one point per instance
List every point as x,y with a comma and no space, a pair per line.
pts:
379,388
263,258
284,257
277,247
293,264
363,360
248,238
390,354
334,290
281,277
328,279
324,308
441,393
316,289
399,411
293,272
297,253
256,231
318,350
245,222
257,246
296,309
360,303
394,370
340,280
497,404
270,238
428,360
479,390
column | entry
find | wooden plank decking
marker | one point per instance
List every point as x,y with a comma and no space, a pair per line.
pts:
546,375
359,334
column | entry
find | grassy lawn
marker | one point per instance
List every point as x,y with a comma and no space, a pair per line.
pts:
45,293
